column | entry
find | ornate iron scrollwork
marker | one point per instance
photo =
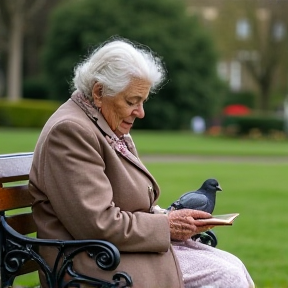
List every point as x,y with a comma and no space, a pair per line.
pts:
17,249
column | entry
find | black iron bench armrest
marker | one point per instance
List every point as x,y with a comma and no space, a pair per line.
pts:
18,249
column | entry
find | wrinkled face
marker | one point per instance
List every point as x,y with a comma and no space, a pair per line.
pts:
121,110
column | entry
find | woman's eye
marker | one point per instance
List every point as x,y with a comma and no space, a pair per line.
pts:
129,103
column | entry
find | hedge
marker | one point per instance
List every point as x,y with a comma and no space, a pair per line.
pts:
26,113
243,125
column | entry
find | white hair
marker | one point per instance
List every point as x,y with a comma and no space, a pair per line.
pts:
114,64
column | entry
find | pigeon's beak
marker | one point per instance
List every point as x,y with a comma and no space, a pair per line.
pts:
219,188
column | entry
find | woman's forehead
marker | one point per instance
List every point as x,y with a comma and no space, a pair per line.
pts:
138,87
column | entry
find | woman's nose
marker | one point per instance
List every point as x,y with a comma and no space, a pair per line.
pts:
139,111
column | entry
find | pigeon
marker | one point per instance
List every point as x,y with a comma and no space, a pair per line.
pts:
202,199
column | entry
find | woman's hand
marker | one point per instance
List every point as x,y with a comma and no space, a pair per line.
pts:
183,223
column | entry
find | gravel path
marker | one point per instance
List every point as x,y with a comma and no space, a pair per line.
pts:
199,158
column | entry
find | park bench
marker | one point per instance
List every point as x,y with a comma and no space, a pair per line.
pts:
19,249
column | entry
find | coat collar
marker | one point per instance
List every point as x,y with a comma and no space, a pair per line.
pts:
119,145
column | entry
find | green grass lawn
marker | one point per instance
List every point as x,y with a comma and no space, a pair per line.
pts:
18,140
187,143
155,142
258,191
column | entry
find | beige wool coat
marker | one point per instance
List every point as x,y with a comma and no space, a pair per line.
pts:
85,189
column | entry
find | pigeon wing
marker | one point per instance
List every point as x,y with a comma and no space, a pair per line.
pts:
194,201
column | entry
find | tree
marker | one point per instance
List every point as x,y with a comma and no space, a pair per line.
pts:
13,17
162,25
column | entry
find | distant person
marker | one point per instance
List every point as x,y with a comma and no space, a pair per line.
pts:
88,181
198,125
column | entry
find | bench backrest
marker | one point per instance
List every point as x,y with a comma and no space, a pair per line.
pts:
20,255
14,194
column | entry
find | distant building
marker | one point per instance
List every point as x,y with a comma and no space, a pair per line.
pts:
234,25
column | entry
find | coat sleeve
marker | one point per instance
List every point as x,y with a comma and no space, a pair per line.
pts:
82,198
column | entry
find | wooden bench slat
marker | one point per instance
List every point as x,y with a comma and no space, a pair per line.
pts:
22,223
15,197
15,167
8,179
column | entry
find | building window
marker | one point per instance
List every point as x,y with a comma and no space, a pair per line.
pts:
235,75
210,13
263,14
243,29
230,72
222,70
278,31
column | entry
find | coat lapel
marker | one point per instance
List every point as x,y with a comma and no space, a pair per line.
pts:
119,145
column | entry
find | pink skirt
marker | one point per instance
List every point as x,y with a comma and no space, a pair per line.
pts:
203,266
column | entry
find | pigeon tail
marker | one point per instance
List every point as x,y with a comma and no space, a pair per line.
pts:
175,206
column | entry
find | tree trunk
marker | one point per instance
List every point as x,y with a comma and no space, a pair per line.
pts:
265,94
14,79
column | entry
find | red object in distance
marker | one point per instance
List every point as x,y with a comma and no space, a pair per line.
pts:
236,109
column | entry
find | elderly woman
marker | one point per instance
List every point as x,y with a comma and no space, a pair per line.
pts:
89,183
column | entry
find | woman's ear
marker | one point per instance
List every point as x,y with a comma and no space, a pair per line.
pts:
97,94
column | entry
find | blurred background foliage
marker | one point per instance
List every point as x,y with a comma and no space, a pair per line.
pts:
26,113
187,50
217,53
